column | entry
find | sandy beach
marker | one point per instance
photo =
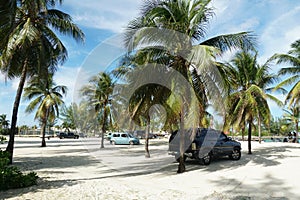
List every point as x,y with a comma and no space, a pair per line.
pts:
79,169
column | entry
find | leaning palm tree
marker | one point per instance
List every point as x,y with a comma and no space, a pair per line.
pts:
247,101
174,34
293,58
46,98
29,45
98,93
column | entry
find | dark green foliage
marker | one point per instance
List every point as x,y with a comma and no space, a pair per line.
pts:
12,177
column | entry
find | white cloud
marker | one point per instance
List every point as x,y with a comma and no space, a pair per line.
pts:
278,35
67,76
103,14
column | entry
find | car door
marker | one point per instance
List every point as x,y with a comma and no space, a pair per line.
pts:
223,145
116,138
124,139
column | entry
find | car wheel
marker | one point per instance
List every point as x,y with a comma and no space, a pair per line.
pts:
235,155
113,142
206,159
131,142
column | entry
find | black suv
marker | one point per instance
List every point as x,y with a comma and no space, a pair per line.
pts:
68,135
142,134
204,144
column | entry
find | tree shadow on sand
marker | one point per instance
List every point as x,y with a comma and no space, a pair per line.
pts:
271,188
130,162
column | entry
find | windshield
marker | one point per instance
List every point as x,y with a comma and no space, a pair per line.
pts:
130,135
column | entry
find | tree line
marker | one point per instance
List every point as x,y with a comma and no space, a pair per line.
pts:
170,37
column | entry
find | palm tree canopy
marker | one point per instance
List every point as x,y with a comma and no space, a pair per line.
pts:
46,97
99,90
292,58
173,33
249,86
29,36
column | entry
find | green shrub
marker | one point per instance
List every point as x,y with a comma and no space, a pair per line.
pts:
2,139
12,177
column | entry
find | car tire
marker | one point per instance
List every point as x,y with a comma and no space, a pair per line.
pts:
113,142
235,155
131,143
206,159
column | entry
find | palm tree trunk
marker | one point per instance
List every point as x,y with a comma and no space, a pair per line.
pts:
181,165
43,131
259,129
249,137
147,153
103,127
297,129
14,118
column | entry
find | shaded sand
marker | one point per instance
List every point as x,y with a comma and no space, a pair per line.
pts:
78,169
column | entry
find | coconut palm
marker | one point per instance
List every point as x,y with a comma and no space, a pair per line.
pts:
292,115
3,121
46,98
30,46
293,58
145,97
247,101
98,93
174,32
67,115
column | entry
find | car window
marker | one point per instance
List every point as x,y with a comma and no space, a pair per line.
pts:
116,135
130,135
124,135
223,136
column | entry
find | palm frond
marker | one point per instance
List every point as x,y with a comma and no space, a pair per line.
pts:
242,40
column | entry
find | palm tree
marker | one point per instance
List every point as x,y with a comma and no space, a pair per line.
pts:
293,58
173,32
98,93
30,46
292,115
3,121
68,117
248,96
46,98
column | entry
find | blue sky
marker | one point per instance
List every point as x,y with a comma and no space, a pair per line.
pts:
275,22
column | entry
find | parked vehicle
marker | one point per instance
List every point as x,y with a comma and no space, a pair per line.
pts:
142,134
123,138
205,145
68,135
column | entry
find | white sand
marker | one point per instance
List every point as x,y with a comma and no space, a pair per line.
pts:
78,169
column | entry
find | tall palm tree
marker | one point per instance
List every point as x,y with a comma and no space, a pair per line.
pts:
46,97
247,101
293,58
174,32
30,46
98,92
292,115
146,96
